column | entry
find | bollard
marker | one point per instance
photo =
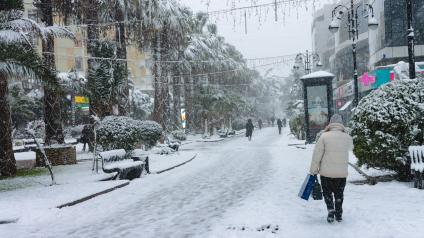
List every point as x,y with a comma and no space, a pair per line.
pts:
147,165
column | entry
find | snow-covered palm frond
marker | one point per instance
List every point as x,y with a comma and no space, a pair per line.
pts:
10,15
58,32
13,69
22,25
13,37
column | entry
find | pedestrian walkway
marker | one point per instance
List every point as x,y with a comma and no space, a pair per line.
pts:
234,188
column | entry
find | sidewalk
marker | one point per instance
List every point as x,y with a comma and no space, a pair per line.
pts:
389,209
30,197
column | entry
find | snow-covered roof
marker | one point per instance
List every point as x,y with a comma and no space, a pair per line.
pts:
318,74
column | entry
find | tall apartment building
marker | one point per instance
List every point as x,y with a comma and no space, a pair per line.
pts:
72,55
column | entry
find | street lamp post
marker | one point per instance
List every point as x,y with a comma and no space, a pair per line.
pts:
411,44
352,23
308,58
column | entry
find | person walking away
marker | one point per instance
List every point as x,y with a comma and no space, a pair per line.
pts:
272,120
330,160
260,124
249,129
84,137
280,126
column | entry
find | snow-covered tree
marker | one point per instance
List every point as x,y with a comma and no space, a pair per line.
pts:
52,96
386,123
142,105
24,109
102,85
17,60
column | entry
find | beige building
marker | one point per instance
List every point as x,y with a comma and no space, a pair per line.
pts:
73,56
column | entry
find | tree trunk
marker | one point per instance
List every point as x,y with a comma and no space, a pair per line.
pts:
52,98
159,103
188,97
121,53
91,20
177,101
7,158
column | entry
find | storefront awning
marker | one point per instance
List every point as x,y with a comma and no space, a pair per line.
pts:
345,106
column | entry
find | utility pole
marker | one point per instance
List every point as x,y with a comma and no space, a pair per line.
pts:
411,37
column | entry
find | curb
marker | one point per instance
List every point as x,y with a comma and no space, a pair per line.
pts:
174,167
81,200
211,141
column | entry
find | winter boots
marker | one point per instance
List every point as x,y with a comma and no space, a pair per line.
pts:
330,217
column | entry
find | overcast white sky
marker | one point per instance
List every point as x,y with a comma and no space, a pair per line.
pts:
265,37
268,38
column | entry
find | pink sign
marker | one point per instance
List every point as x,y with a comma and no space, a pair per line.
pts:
367,79
392,76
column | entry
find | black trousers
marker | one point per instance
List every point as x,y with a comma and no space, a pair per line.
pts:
333,189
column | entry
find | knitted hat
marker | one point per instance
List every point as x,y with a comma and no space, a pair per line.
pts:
336,118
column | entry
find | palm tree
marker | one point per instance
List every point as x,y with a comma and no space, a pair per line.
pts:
52,99
17,60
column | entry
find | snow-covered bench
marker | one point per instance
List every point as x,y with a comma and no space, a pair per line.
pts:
124,165
417,165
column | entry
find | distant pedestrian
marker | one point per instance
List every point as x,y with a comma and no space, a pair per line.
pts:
272,121
330,160
260,124
249,129
284,122
280,125
87,137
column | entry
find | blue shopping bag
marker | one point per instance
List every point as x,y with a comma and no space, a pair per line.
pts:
307,187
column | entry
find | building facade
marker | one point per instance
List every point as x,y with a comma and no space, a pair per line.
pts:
377,50
70,55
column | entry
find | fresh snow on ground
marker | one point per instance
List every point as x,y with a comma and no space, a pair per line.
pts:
232,189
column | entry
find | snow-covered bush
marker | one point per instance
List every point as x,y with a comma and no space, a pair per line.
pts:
38,127
150,132
125,133
239,124
386,123
297,126
118,133
179,135
296,112
74,131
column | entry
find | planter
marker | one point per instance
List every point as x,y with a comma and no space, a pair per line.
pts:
57,155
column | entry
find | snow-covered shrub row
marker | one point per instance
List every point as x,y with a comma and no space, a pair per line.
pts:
150,132
125,133
386,123
179,135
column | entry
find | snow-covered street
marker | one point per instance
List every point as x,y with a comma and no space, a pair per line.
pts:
233,189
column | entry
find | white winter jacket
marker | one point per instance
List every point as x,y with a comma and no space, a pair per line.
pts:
331,153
